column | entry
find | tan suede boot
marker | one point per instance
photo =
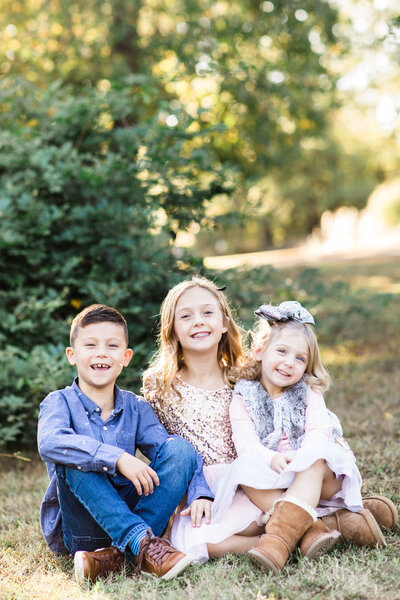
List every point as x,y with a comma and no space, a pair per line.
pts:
383,509
318,539
286,526
358,527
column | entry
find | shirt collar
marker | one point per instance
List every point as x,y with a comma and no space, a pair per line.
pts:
91,406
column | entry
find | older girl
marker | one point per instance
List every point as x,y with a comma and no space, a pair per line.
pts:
188,387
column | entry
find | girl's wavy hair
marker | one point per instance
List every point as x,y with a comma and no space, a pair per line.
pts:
316,373
168,360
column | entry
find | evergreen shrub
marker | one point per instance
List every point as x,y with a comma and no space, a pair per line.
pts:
92,187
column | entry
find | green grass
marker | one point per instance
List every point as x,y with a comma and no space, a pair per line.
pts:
362,355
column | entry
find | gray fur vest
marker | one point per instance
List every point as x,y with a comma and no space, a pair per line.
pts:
287,412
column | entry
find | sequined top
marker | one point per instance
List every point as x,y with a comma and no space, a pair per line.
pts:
200,416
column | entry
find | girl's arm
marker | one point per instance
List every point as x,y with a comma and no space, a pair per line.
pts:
244,435
318,428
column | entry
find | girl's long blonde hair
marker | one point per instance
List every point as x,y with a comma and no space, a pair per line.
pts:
169,359
316,373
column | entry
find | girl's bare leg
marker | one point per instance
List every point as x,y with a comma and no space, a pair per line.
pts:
235,544
239,543
330,485
252,530
318,481
264,499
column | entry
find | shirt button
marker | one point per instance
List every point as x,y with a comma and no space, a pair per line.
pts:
97,409
105,469
105,427
80,468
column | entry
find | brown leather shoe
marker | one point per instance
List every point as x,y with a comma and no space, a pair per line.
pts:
318,540
89,565
158,557
383,509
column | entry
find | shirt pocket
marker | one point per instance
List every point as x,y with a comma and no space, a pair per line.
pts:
126,441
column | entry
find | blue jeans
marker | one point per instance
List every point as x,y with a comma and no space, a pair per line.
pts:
96,513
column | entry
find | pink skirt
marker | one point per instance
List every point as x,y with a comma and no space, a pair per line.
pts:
240,513
232,511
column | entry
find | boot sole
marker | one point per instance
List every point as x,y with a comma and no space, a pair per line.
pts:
178,568
79,570
78,567
374,528
390,505
323,544
263,561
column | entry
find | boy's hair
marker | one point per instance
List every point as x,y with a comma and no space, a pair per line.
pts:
97,313
316,374
169,358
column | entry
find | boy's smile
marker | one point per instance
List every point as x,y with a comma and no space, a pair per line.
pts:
99,353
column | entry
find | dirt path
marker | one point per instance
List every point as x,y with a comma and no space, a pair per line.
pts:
301,255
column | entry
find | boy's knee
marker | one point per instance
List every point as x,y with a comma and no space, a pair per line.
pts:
178,448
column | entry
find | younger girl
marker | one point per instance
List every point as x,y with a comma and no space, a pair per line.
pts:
188,387
286,439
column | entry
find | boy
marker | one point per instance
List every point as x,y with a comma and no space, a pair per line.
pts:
103,504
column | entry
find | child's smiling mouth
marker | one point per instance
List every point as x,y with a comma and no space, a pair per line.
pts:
282,373
200,335
100,367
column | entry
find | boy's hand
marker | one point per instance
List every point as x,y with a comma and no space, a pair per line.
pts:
196,511
141,475
280,462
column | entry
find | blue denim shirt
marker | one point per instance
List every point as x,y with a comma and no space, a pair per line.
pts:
72,433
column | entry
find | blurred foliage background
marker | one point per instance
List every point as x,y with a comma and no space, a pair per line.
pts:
138,136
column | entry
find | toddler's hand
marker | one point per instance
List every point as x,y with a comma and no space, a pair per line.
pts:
280,462
196,511
141,475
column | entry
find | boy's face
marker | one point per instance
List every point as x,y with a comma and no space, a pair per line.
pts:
99,353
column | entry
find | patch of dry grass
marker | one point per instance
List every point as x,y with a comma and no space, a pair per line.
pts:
366,397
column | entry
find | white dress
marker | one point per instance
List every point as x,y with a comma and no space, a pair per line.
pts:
253,465
202,417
